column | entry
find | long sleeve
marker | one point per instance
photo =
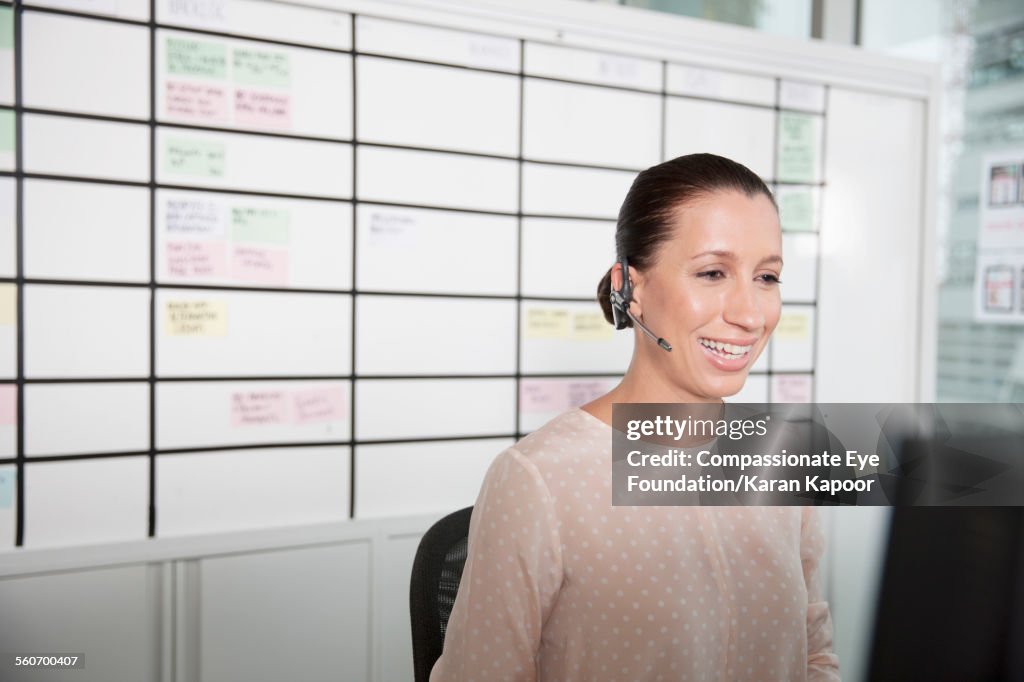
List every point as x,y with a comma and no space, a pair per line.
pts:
510,581
822,663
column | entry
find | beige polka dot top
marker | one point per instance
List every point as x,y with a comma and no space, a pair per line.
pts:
560,585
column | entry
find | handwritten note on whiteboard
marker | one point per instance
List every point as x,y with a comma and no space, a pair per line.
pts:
196,58
209,13
6,28
261,67
319,404
259,264
547,323
195,218
797,147
184,156
263,109
258,408
266,225
199,102
793,326
590,325
6,130
196,318
8,475
196,259
393,230
542,395
8,404
796,209
558,395
791,388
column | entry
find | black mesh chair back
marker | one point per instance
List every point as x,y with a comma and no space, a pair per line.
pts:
436,572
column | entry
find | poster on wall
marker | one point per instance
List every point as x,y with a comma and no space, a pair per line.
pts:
999,277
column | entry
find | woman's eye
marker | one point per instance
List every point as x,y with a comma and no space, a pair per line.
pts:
711,274
770,278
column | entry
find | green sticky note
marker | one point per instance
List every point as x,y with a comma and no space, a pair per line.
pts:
196,58
259,225
7,477
796,210
194,157
6,130
261,67
797,147
6,28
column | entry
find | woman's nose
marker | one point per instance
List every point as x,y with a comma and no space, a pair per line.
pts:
743,307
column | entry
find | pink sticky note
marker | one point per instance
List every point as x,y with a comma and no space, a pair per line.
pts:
583,391
791,388
263,109
253,408
321,404
196,102
8,404
543,395
196,259
259,265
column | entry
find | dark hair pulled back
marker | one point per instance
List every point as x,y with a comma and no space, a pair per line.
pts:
649,210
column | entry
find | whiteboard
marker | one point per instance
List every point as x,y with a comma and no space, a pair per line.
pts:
196,414
424,251
565,258
248,85
64,339
434,408
121,407
574,123
103,149
74,64
389,89
8,225
252,241
63,511
239,489
410,478
742,133
260,19
398,335
355,247
97,227
239,333
233,161
574,191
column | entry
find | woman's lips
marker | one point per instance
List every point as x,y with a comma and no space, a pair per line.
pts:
729,357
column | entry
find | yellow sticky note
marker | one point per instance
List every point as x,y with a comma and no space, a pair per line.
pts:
588,325
793,327
547,323
196,318
8,303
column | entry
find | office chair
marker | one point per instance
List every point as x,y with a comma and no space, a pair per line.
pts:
436,572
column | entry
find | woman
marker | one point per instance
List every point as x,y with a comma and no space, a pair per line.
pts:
559,585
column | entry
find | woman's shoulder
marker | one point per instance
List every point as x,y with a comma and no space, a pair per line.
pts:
566,437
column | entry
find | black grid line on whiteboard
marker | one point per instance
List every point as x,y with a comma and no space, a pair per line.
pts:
19,521
154,123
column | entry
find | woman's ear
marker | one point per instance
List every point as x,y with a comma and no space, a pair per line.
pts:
637,279
617,276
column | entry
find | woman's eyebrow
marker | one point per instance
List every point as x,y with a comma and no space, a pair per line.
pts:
729,255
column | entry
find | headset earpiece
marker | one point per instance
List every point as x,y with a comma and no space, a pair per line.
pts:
621,299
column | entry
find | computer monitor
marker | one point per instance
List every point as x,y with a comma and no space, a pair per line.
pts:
951,600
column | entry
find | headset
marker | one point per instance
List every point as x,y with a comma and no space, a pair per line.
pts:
620,307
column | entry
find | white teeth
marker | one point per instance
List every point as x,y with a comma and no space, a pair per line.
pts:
728,350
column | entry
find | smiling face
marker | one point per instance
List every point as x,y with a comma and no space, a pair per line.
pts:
713,293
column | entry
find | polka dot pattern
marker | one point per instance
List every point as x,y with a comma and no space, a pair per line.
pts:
559,585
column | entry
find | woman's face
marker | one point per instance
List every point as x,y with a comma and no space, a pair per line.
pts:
713,293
